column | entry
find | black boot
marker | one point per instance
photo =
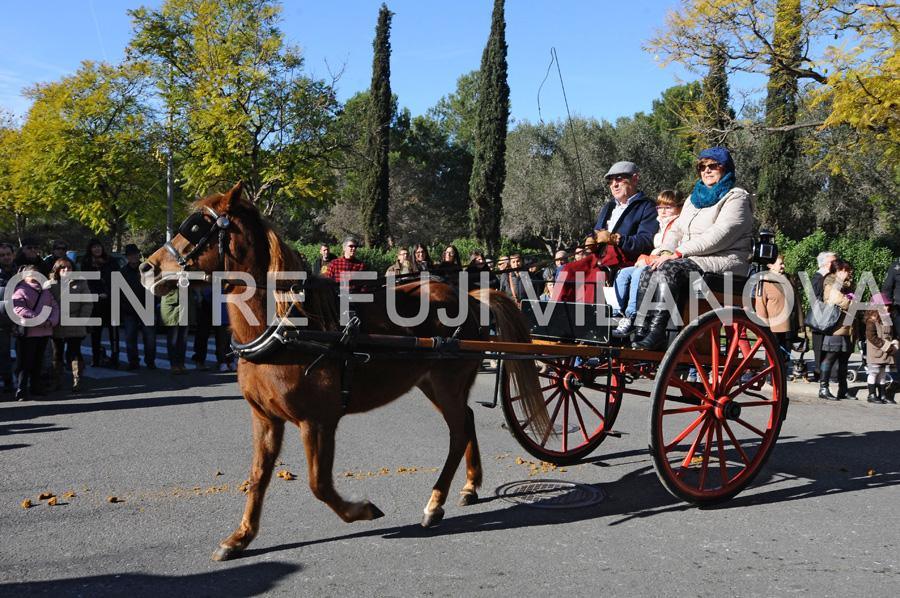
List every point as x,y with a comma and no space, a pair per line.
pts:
885,398
824,393
824,376
656,338
842,387
22,390
641,325
873,394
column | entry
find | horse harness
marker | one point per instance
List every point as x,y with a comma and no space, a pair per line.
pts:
342,346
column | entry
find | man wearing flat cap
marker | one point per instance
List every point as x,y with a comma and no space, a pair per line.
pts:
628,222
28,256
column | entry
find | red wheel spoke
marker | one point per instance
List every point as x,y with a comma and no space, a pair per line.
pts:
737,445
699,367
723,463
685,433
686,462
732,349
690,389
590,405
565,424
742,367
552,423
714,369
678,410
580,419
706,451
556,392
762,403
749,427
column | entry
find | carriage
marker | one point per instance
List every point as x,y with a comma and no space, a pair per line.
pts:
709,435
717,401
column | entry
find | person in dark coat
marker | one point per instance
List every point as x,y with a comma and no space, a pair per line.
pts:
817,280
57,251
891,289
96,259
134,322
28,255
626,224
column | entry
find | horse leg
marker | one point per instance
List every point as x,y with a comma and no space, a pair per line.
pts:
469,494
267,437
318,440
449,397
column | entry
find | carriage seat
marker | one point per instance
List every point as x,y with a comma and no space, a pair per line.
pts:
718,284
569,321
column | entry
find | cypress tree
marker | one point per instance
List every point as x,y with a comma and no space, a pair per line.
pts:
716,111
374,209
778,153
491,118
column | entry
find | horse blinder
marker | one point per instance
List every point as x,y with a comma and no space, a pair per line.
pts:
197,230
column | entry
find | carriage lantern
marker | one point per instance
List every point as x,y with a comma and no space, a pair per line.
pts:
765,249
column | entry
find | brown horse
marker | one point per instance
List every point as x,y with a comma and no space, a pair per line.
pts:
229,235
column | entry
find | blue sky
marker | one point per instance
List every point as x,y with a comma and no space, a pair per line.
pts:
605,72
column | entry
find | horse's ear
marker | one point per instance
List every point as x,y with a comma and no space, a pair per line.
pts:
234,196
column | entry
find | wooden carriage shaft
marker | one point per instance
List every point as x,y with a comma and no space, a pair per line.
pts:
535,348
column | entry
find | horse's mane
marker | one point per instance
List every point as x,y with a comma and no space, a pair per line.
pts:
318,305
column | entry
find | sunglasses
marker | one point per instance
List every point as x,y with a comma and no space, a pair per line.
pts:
351,246
618,179
60,247
29,247
713,166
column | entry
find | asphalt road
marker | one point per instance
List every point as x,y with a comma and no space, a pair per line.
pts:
820,520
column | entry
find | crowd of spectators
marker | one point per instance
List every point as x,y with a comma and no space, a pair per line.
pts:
638,247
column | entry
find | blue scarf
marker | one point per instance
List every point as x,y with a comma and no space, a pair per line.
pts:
704,196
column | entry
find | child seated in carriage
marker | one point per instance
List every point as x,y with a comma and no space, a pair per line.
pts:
668,208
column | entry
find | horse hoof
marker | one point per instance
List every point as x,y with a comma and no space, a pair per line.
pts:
432,519
225,554
375,512
466,498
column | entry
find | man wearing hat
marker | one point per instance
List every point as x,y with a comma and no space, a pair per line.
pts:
627,223
132,321
28,256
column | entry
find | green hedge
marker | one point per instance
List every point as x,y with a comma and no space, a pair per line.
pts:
873,255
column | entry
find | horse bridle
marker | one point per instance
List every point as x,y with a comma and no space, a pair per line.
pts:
198,230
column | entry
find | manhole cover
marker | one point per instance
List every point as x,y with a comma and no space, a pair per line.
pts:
550,494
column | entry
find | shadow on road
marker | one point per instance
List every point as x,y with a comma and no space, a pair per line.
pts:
13,416
242,581
798,469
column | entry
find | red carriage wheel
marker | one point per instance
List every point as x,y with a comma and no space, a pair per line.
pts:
710,438
582,407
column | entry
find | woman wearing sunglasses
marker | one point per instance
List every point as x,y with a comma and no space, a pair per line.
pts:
713,234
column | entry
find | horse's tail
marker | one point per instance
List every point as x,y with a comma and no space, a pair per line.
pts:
512,327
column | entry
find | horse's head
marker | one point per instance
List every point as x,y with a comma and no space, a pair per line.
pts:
206,242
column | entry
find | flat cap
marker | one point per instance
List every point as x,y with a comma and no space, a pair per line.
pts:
627,168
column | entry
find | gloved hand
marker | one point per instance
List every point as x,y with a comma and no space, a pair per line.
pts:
604,237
